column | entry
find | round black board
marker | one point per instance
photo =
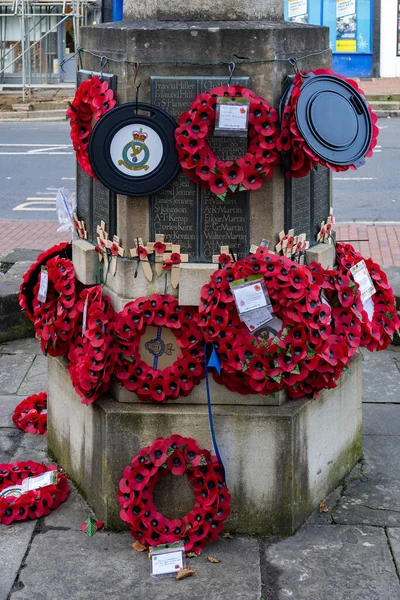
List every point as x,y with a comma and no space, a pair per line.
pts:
334,120
132,149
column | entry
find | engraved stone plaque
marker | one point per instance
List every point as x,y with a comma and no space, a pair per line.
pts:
185,212
321,197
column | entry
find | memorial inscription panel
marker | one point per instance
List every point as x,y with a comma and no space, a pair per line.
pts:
185,212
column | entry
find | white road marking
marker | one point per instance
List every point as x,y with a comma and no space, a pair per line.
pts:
44,150
354,178
35,145
33,205
42,198
67,178
35,154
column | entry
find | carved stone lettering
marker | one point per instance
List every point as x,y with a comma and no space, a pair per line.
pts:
298,205
321,197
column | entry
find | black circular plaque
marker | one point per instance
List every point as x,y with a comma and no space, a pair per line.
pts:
132,149
334,120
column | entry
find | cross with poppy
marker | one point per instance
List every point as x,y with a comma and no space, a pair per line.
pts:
224,257
159,247
263,244
80,227
102,237
141,252
171,262
300,247
116,250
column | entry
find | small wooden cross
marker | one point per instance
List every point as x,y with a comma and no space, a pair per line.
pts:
80,227
116,250
148,273
102,237
286,243
264,244
158,257
175,269
223,250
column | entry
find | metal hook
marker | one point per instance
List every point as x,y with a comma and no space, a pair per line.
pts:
137,67
103,62
79,50
294,63
232,67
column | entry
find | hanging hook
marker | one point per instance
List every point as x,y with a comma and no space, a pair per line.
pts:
294,63
103,62
137,85
79,50
232,67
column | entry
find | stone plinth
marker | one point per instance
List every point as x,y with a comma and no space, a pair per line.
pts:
281,461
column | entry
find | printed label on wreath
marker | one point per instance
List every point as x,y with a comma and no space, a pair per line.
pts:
12,490
255,319
167,558
34,483
249,294
44,284
232,115
362,277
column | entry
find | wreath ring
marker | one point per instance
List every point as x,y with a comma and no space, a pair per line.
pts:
15,506
31,414
198,160
175,455
153,383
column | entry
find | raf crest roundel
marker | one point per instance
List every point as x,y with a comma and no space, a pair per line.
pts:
133,152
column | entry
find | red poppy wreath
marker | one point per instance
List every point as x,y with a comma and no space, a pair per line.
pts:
16,505
31,414
199,161
55,318
301,159
92,100
31,277
92,356
152,383
298,358
176,455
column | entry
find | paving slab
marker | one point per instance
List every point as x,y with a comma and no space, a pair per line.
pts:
13,369
394,539
381,376
36,379
381,454
10,441
14,542
69,564
333,562
381,419
25,346
70,514
7,407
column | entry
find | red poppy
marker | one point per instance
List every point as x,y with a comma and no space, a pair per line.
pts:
159,247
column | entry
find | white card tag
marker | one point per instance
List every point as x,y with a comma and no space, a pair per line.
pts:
12,490
249,297
167,559
84,316
363,278
44,284
233,116
34,483
255,319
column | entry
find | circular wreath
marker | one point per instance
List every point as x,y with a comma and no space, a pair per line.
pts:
302,358
301,159
31,414
92,100
92,356
33,504
175,455
31,277
199,161
56,317
137,376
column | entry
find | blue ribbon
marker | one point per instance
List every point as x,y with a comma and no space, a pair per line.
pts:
213,362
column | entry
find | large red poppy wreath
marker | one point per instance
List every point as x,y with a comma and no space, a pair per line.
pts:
92,100
31,414
136,375
176,455
301,158
199,161
33,504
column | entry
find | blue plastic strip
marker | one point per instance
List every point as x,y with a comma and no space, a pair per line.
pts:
210,416
117,10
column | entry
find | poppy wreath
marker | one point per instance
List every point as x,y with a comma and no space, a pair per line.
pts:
199,162
31,277
92,356
33,504
176,455
31,414
377,333
55,318
92,100
301,158
287,361
151,384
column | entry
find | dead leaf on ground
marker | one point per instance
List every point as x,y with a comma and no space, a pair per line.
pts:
395,358
183,573
211,559
138,547
323,508
191,555
227,536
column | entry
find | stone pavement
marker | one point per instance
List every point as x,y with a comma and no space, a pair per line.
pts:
380,86
350,551
30,234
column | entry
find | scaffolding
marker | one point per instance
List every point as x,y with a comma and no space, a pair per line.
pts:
36,35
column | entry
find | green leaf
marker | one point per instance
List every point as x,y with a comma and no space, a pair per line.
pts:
296,370
90,527
170,451
233,188
346,370
221,196
277,378
242,188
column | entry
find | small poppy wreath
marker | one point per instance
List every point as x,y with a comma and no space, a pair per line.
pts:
265,364
199,161
300,158
55,318
34,504
158,385
31,414
175,455
31,277
92,100
92,356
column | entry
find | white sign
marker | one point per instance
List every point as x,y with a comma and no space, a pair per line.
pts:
34,483
345,8
256,318
297,8
249,297
233,116
43,286
136,150
170,562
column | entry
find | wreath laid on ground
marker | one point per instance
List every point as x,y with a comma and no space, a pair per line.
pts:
31,277
92,100
151,383
31,414
92,356
176,455
17,506
55,318
199,161
301,159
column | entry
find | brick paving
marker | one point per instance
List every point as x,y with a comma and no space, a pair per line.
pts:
385,86
37,235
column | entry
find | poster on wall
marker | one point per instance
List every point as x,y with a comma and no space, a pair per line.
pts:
298,11
346,26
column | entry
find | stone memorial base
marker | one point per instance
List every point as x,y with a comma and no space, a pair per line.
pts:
281,461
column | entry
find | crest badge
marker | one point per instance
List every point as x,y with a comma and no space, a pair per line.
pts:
135,154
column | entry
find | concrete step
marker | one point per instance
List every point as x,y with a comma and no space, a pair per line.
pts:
385,105
34,115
